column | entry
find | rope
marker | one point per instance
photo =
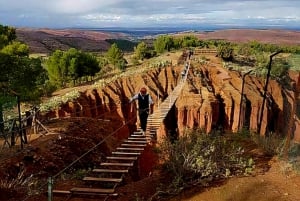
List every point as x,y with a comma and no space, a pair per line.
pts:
83,155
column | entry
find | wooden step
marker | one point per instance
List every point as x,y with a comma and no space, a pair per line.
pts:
92,190
156,120
137,138
117,164
136,141
102,179
120,158
61,191
133,145
138,132
130,149
109,171
126,153
144,137
152,124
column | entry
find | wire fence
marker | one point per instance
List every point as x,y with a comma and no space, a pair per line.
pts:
33,122
43,186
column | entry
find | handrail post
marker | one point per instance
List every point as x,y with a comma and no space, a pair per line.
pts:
50,187
157,98
265,91
20,121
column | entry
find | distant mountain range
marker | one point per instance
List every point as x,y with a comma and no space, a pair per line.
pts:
48,40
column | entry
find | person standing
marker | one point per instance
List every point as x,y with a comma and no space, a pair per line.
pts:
145,106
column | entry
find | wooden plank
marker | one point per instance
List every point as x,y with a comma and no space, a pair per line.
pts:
142,138
92,190
117,164
102,179
109,171
137,138
155,124
130,149
61,191
133,145
121,158
126,153
133,135
136,141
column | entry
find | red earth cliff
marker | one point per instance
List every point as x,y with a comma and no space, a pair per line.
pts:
210,100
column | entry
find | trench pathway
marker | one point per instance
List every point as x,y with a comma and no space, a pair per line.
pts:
110,174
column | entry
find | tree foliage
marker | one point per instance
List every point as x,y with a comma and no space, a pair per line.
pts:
163,43
73,64
279,69
19,73
225,51
115,57
16,48
141,50
166,43
190,41
7,35
124,45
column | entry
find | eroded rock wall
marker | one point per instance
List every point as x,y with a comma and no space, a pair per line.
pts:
112,101
210,100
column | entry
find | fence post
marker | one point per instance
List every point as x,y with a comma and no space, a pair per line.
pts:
34,124
157,98
20,121
50,185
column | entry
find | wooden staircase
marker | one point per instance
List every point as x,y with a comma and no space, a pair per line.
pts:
111,173
155,119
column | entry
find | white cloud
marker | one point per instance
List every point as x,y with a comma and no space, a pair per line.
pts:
100,17
59,13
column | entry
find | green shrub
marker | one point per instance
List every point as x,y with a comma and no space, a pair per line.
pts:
80,173
199,158
58,101
272,144
294,156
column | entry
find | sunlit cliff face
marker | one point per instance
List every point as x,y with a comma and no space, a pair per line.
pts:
210,100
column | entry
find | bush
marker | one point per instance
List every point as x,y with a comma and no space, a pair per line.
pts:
272,144
199,158
293,157
57,101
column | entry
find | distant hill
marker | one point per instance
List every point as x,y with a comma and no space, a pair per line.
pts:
286,37
48,40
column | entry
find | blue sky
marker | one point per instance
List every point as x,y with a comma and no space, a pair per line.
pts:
145,13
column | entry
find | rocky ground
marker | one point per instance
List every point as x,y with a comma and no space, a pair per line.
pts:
48,154
69,138
272,179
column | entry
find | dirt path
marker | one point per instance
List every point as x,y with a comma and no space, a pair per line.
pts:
277,184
